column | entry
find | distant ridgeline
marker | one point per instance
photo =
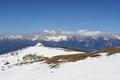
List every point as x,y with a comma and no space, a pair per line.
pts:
12,45
82,40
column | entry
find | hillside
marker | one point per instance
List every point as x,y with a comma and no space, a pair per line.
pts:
44,63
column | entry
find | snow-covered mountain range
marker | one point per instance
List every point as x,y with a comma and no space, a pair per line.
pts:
82,39
45,63
60,35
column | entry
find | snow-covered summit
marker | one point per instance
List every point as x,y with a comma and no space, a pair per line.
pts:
39,49
85,32
39,45
14,67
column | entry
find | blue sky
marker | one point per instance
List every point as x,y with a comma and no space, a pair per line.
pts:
31,16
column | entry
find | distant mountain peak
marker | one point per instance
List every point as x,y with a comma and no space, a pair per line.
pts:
85,32
82,39
39,45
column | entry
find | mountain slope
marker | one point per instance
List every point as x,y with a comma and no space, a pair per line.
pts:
91,68
30,53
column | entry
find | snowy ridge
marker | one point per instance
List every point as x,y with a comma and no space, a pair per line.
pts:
16,57
61,35
89,33
55,38
100,68
83,39
11,37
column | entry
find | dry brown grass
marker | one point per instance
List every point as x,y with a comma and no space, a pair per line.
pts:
111,51
56,60
71,57
59,58
70,49
67,58
94,55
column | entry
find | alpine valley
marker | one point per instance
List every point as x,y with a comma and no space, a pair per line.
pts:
82,40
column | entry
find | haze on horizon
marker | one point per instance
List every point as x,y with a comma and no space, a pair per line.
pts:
32,16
